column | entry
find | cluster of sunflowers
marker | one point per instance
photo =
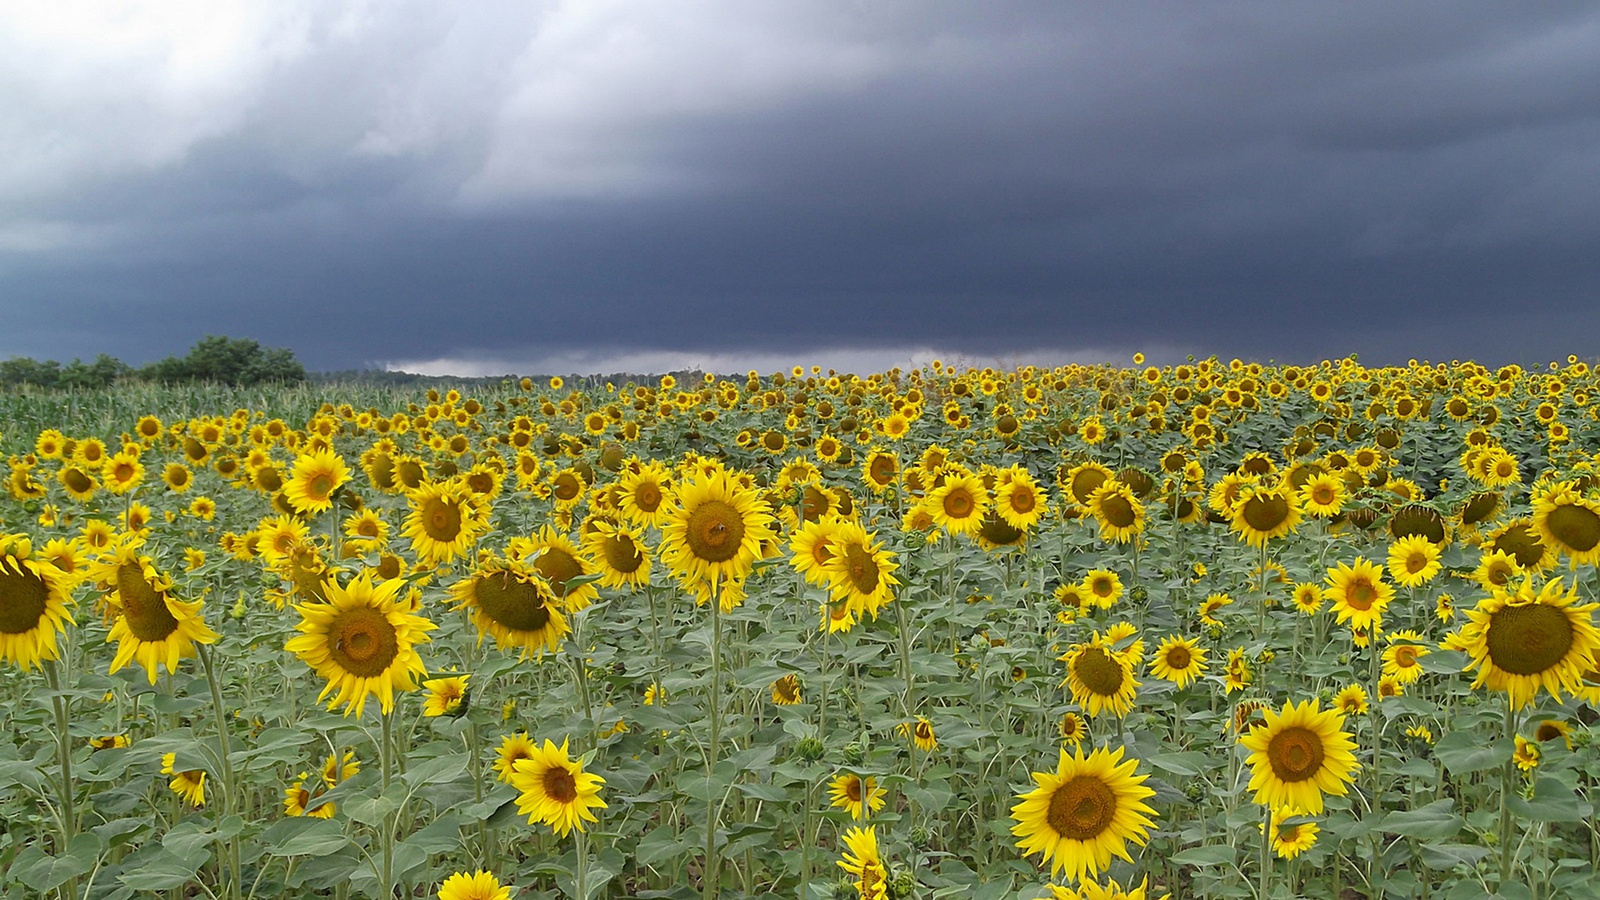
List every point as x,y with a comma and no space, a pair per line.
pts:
908,589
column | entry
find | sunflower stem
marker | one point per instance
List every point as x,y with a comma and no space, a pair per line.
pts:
1507,779
581,864
1266,850
69,818
386,762
709,875
229,794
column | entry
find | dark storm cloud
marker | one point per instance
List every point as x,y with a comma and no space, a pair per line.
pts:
1284,181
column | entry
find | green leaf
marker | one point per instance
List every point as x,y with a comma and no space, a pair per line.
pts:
163,871
1213,855
1463,752
767,792
1552,802
1188,764
305,836
436,771
44,873
1431,822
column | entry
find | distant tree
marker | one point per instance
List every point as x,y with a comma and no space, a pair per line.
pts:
225,360
102,373
21,370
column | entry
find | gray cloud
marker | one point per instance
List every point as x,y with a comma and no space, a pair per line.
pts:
543,184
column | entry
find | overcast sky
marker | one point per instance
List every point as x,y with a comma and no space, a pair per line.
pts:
603,185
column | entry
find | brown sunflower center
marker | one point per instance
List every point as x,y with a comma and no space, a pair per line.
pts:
882,470
1528,640
861,568
958,503
1118,511
1179,657
441,520
567,486
75,480
1295,753
1265,513
1575,526
558,567
559,785
647,496
852,790
518,605
143,607
1405,656
320,486
622,554
1082,807
23,597
1360,595
1323,495
1100,673
1023,501
715,532
363,642
1416,562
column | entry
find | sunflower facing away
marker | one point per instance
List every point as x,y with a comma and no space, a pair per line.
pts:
1084,813
33,604
555,790
1298,754
152,627
1524,639
363,641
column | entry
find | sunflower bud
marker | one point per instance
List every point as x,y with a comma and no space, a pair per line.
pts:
809,749
855,753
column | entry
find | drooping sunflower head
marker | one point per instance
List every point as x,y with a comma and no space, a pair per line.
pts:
1118,513
1568,522
1101,679
151,626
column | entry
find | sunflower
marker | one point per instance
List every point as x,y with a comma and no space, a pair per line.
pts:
1495,569
1264,513
478,886
644,495
1526,754
447,696
1291,834
190,784
860,796
1351,700
1179,660
786,690
555,790
34,597
861,860
1074,728
363,641
123,473
297,797
368,528
513,603
152,627
959,504
1111,890
880,470
1414,560
1100,678
1101,587
1307,598
1323,495
445,519
177,477
1020,501
1083,480
1568,522
554,556
1359,593
860,570
1085,812
80,485
1298,754
809,549
921,734
714,533
1118,513
1525,639
618,552
1402,659
1519,538
513,747
1210,606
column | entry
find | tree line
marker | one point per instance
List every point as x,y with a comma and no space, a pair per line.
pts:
240,362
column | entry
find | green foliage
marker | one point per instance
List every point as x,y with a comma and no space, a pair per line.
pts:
240,362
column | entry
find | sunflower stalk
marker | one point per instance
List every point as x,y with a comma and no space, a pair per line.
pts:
1508,773
709,874
229,783
58,701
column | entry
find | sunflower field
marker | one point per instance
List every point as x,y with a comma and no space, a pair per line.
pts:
1216,629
